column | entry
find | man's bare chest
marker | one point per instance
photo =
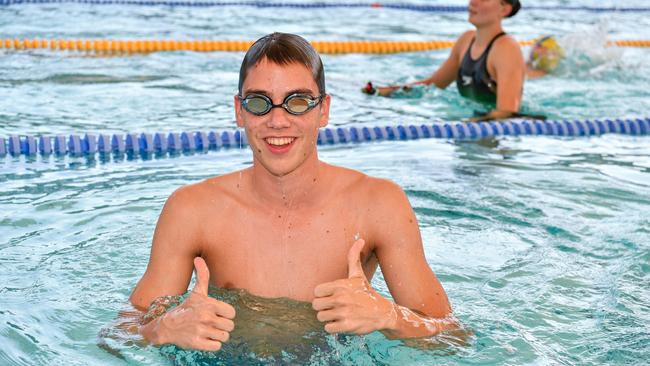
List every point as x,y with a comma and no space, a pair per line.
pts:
281,253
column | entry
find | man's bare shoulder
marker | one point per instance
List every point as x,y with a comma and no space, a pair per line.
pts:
382,203
375,191
210,192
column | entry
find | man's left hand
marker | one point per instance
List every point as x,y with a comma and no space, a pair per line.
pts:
351,305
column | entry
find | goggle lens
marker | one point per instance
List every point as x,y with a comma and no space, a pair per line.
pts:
257,105
298,104
295,104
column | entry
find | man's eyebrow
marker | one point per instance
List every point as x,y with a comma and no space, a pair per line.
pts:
300,91
255,91
290,92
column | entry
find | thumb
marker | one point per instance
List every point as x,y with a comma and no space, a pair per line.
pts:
354,259
202,277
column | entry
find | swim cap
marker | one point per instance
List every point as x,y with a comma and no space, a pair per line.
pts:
516,5
545,54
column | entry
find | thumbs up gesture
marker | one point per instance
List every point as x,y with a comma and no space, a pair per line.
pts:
200,322
351,305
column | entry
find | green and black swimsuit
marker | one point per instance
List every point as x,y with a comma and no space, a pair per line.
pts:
474,81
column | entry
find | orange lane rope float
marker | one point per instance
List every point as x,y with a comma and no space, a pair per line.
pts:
106,46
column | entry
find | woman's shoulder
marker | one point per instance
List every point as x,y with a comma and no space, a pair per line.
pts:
466,36
462,43
506,42
506,51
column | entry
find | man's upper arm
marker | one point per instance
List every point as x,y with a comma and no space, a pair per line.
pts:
510,68
175,244
398,246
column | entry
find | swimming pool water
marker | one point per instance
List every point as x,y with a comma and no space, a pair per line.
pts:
54,92
543,244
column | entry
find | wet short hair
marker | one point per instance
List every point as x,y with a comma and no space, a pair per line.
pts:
516,5
283,49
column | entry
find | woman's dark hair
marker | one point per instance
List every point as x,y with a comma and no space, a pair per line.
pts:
283,49
516,5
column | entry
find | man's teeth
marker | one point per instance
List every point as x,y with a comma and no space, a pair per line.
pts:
278,141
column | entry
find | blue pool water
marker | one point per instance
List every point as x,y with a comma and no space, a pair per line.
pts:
543,244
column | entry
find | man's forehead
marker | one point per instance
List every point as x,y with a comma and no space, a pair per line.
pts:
270,77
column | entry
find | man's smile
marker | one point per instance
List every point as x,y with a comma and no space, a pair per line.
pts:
279,145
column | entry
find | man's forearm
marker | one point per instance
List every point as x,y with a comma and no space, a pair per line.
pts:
406,323
147,324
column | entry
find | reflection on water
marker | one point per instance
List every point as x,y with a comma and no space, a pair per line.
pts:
282,331
537,242
266,330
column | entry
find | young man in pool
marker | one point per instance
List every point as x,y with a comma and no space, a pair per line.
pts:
290,225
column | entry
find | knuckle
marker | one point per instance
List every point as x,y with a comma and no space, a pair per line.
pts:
341,299
344,326
228,325
318,289
329,328
333,327
316,304
216,346
227,311
195,340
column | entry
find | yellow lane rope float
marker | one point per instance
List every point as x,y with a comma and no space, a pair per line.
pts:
105,46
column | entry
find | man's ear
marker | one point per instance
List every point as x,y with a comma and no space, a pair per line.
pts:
238,118
325,111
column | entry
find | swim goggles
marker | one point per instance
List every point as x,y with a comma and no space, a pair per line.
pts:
296,104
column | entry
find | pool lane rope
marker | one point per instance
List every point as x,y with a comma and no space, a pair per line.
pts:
162,143
318,5
108,46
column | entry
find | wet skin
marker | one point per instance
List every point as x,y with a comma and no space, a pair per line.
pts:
285,227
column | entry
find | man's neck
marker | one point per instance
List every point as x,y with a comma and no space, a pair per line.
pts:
298,188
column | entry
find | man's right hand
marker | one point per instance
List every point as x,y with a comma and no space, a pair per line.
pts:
200,322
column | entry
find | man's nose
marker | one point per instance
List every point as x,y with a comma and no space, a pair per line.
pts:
278,118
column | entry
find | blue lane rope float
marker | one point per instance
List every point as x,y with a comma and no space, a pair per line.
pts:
130,143
264,4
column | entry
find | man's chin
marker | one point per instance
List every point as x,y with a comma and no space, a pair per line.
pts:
279,171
